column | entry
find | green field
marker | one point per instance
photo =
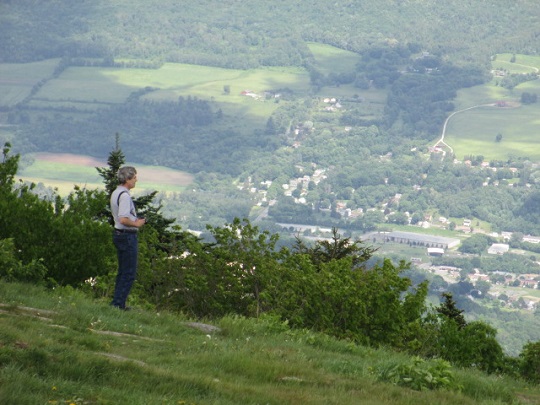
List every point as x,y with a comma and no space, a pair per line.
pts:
473,132
85,87
87,84
17,79
522,63
330,59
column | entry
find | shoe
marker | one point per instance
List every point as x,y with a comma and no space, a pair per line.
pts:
121,308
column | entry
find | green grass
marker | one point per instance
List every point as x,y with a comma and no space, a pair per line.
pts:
60,347
86,84
522,63
330,59
473,132
86,87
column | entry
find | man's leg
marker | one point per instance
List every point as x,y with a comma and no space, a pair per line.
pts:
126,246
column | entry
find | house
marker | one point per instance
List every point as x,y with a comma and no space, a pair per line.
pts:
498,249
531,239
435,252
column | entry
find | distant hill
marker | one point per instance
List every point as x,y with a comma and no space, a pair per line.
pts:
242,34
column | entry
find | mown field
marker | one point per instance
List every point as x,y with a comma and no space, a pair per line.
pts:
473,132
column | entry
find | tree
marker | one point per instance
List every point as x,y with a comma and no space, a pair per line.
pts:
449,309
528,98
338,248
68,237
144,204
530,362
477,243
498,137
483,287
115,160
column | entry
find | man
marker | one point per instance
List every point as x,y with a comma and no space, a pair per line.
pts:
126,226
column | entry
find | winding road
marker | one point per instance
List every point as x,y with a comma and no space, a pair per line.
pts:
441,140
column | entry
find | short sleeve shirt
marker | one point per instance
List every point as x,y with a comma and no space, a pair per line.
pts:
122,207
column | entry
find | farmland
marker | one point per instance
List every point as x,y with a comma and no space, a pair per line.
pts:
63,171
473,132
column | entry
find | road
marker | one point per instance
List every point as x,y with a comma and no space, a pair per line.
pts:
441,140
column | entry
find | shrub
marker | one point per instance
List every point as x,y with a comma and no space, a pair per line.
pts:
12,269
419,375
530,366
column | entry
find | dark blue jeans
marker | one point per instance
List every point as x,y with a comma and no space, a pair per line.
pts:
127,249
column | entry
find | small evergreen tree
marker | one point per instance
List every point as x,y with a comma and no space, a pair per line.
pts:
338,248
449,309
144,206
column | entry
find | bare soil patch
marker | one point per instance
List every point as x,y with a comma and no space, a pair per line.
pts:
68,158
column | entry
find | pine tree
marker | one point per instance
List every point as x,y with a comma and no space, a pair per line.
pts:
115,161
449,309
143,204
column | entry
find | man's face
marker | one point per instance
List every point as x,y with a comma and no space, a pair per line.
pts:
131,183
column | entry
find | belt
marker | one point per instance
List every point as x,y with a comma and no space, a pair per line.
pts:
125,230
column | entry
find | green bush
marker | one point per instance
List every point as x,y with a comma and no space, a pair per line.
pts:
12,269
530,366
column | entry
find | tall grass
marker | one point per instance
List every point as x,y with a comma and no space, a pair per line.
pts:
62,347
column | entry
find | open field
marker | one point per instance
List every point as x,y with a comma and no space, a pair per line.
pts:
210,83
63,171
86,87
522,63
473,132
330,59
17,79
87,84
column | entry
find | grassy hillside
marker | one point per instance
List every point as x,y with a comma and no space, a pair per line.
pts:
61,347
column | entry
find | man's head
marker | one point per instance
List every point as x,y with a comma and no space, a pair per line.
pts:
127,176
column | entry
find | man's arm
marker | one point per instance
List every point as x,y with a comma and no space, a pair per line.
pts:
128,222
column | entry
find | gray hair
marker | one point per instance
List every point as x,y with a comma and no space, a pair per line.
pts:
126,173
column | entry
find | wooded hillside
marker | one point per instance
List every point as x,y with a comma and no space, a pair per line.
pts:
239,34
